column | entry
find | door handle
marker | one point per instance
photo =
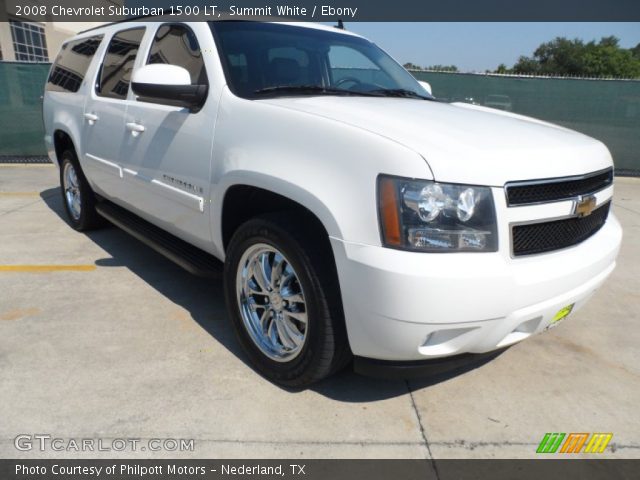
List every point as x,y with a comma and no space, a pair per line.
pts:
135,128
91,117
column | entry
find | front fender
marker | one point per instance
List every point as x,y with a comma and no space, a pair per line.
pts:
273,184
327,166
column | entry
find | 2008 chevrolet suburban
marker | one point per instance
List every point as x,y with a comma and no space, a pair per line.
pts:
352,214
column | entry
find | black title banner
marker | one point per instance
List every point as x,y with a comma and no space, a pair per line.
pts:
298,469
328,10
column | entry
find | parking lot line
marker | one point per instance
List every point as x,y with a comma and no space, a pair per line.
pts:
47,268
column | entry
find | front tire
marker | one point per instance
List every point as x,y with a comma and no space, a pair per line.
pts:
283,296
78,198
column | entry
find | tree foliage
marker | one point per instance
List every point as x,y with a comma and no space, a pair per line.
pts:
439,68
562,56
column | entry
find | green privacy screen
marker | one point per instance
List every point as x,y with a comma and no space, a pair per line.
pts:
21,86
608,110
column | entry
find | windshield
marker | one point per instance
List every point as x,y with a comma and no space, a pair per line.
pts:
272,59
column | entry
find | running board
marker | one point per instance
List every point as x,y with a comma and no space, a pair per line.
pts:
192,259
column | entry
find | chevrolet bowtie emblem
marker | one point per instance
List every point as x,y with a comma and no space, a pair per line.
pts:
584,205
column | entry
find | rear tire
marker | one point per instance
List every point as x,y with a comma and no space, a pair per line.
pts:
78,198
282,293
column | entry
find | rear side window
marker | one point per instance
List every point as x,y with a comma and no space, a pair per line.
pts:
72,63
115,74
178,45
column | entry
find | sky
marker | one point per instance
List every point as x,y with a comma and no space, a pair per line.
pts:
481,46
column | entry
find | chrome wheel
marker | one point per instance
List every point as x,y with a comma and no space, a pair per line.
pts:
271,302
72,190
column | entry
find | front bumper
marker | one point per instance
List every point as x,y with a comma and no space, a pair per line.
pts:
406,306
399,369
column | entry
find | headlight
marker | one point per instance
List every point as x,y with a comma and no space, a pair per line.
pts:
436,217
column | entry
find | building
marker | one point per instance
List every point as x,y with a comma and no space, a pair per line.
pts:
24,39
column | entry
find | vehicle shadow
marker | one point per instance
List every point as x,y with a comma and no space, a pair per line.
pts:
204,300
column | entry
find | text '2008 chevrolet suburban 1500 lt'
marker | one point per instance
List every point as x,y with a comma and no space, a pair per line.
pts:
352,215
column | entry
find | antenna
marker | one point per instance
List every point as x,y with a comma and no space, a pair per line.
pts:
340,24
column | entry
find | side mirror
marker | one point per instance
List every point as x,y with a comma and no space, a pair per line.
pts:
168,85
426,86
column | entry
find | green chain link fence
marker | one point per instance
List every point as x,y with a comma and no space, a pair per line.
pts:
608,110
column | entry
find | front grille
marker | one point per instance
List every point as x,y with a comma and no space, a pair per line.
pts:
523,193
548,236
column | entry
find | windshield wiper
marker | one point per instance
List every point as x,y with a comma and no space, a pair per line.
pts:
399,92
312,89
320,90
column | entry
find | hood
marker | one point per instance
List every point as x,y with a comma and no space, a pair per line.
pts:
464,143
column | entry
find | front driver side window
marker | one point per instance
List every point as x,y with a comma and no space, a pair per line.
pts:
178,45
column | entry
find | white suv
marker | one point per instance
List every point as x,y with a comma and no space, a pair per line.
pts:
351,213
